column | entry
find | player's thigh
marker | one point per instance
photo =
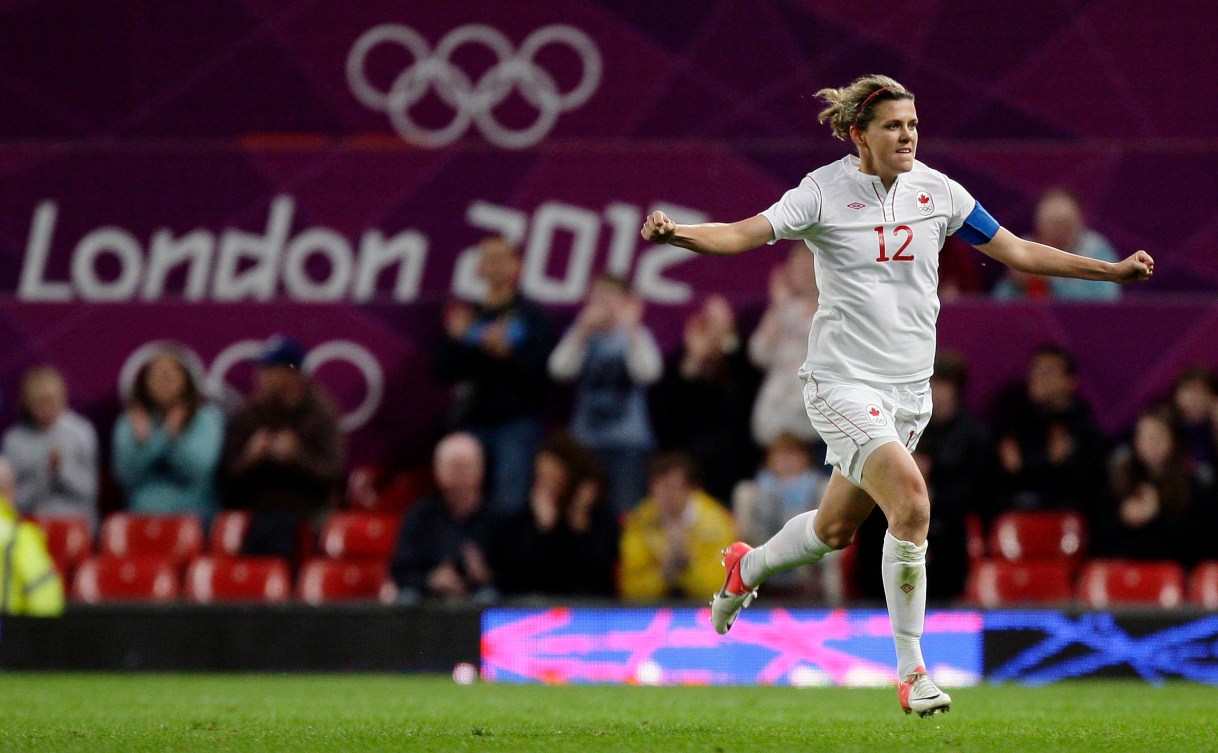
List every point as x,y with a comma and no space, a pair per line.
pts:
853,419
842,510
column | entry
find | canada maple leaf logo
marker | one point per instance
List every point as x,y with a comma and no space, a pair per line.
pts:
874,411
923,198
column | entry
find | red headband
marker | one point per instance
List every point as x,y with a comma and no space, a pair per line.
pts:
863,107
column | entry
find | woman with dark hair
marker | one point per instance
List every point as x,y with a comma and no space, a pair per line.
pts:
564,543
1158,509
167,442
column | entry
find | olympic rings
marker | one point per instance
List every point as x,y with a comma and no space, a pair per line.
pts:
473,102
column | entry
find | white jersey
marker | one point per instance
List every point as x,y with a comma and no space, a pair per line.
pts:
877,266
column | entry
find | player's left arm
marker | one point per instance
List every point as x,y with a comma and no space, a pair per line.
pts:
1039,259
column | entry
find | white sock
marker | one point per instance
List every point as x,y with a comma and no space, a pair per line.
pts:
796,544
904,569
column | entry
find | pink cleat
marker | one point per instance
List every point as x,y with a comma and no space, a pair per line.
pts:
734,595
919,694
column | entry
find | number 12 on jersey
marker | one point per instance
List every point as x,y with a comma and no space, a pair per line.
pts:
899,255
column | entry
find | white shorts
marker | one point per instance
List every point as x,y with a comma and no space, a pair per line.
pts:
855,418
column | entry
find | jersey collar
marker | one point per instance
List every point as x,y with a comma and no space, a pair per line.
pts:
850,164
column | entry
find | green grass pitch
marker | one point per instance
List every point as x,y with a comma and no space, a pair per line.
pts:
335,713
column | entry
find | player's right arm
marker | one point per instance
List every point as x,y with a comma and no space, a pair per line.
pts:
715,238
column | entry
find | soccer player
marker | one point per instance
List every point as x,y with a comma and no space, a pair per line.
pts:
875,222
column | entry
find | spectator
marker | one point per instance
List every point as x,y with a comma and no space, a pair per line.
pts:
442,545
1195,400
283,453
704,402
166,446
786,486
1159,511
1060,223
614,358
956,458
671,542
779,347
53,451
29,583
565,543
496,353
1050,451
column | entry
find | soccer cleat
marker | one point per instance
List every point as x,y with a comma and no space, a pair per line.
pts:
919,694
734,595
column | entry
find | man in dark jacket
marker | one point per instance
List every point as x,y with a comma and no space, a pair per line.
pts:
442,545
495,353
1051,453
283,453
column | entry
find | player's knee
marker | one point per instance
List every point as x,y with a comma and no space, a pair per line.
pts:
911,512
838,534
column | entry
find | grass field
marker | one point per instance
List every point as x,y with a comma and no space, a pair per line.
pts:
65,713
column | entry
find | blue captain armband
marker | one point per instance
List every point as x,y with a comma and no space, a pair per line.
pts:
979,227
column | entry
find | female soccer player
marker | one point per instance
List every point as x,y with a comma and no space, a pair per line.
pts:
876,223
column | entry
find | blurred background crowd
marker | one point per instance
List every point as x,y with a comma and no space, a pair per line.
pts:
485,385
625,484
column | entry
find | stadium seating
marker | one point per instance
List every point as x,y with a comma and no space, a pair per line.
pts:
1018,536
176,537
975,533
997,582
360,536
68,540
370,491
228,530
323,580
1203,585
1105,583
110,578
211,579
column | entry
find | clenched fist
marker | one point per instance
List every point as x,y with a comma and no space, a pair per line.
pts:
658,228
1135,268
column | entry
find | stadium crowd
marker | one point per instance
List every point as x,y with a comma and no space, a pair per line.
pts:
662,462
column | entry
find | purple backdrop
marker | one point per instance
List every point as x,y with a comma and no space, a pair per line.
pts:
212,172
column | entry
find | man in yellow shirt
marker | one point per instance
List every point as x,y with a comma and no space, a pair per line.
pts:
671,541
29,584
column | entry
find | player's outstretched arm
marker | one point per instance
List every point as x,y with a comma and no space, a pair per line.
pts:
717,238
1039,259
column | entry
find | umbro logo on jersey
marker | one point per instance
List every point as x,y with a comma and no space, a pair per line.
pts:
925,204
856,205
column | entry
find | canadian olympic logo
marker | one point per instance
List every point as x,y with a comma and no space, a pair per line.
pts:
473,102
214,380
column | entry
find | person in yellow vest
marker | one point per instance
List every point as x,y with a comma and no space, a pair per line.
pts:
29,584
671,542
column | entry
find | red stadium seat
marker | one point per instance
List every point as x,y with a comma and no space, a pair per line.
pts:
369,490
109,578
69,541
228,579
997,582
1122,582
325,580
176,537
1203,585
360,536
228,530
1018,536
975,537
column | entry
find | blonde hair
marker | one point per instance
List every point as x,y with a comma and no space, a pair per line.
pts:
854,104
